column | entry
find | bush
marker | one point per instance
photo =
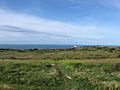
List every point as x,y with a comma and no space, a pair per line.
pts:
118,56
116,67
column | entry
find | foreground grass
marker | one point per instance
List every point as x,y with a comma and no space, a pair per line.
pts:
59,75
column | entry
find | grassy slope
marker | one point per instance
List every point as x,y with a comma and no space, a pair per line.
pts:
59,75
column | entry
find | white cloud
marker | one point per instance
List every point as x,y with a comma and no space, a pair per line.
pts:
20,28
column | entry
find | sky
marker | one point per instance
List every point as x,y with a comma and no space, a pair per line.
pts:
87,22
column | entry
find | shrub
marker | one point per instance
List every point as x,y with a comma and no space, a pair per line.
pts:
116,67
118,56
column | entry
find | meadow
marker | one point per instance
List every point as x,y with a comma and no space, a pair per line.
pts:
71,69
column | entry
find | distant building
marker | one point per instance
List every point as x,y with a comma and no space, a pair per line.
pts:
74,46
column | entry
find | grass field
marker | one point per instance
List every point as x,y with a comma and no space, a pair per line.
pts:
59,54
88,68
59,75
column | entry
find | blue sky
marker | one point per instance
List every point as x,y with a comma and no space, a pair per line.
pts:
60,22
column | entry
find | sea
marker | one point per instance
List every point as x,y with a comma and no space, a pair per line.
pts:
34,46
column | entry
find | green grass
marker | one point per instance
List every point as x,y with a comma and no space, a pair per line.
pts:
87,68
59,74
57,54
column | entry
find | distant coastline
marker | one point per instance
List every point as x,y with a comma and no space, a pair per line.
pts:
45,46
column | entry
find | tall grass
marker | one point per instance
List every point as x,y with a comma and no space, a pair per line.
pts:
58,75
